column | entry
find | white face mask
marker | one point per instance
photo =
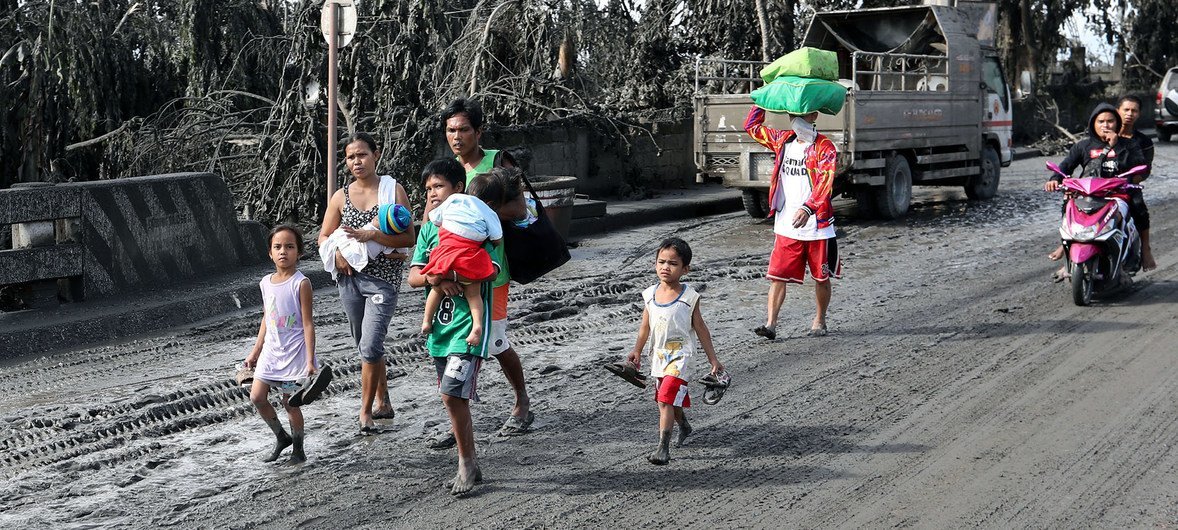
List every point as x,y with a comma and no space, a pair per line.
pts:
805,130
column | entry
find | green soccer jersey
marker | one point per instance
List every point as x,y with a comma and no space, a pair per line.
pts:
453,321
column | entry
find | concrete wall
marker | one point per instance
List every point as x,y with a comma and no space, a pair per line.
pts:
601,164
126,234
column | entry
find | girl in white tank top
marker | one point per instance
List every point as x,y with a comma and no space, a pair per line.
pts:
285,349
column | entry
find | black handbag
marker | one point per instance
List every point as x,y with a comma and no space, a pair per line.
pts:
535,250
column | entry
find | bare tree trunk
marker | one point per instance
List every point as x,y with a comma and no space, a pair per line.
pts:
763,22
1029,50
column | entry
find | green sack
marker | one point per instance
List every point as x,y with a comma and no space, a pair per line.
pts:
804,62
799,95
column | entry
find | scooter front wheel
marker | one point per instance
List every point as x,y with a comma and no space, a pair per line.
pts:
1082,282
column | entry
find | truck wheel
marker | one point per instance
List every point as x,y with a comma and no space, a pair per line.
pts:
1164,134
892,200
756,203
985,184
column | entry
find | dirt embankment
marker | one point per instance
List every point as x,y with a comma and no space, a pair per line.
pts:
958,387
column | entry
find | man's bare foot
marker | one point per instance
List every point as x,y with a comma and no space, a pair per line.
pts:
476,335
684,432
662,454
522,407
478,479
465,479
1056,254
1147,262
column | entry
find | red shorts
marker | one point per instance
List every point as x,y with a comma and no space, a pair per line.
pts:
672,391
790,257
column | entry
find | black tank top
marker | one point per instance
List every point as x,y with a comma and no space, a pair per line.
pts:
380,267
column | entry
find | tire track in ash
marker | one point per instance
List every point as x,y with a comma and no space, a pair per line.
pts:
1126,449
950,406
111,428
45,441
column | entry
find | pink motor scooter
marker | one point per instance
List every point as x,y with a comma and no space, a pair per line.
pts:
1101,243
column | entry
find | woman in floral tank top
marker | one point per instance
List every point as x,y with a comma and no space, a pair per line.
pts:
368,296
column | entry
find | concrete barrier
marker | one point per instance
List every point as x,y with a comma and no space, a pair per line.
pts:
96,239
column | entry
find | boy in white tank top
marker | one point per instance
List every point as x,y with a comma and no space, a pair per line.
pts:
671,321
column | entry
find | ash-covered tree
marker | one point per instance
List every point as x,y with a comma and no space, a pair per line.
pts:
1151,44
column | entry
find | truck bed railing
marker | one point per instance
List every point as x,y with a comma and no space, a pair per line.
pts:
726,76
870,71
900,71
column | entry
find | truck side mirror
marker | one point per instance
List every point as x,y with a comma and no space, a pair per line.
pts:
1026,85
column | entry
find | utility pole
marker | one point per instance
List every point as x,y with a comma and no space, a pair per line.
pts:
338,24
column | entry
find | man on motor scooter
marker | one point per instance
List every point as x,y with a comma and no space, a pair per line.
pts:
1099,155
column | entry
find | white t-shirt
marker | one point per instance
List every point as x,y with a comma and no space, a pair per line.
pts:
795,187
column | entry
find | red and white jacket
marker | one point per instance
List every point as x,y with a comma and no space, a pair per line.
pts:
821,159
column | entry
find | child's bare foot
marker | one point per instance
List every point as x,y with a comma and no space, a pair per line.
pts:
476,335
465,480
296,455
684,432
1147,261
662,455
1056,254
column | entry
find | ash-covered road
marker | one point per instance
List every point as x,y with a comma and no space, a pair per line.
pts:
958,387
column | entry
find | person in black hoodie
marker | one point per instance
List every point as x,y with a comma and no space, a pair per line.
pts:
1099,155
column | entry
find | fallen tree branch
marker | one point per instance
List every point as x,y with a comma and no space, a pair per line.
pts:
97,140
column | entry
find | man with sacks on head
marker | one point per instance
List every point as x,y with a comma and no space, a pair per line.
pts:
801,84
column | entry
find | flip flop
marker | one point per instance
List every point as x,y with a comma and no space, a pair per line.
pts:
765,332
442,441
628,372
715,386
515,425
311,391
244,376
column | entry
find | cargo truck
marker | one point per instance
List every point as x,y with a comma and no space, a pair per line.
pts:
927,104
